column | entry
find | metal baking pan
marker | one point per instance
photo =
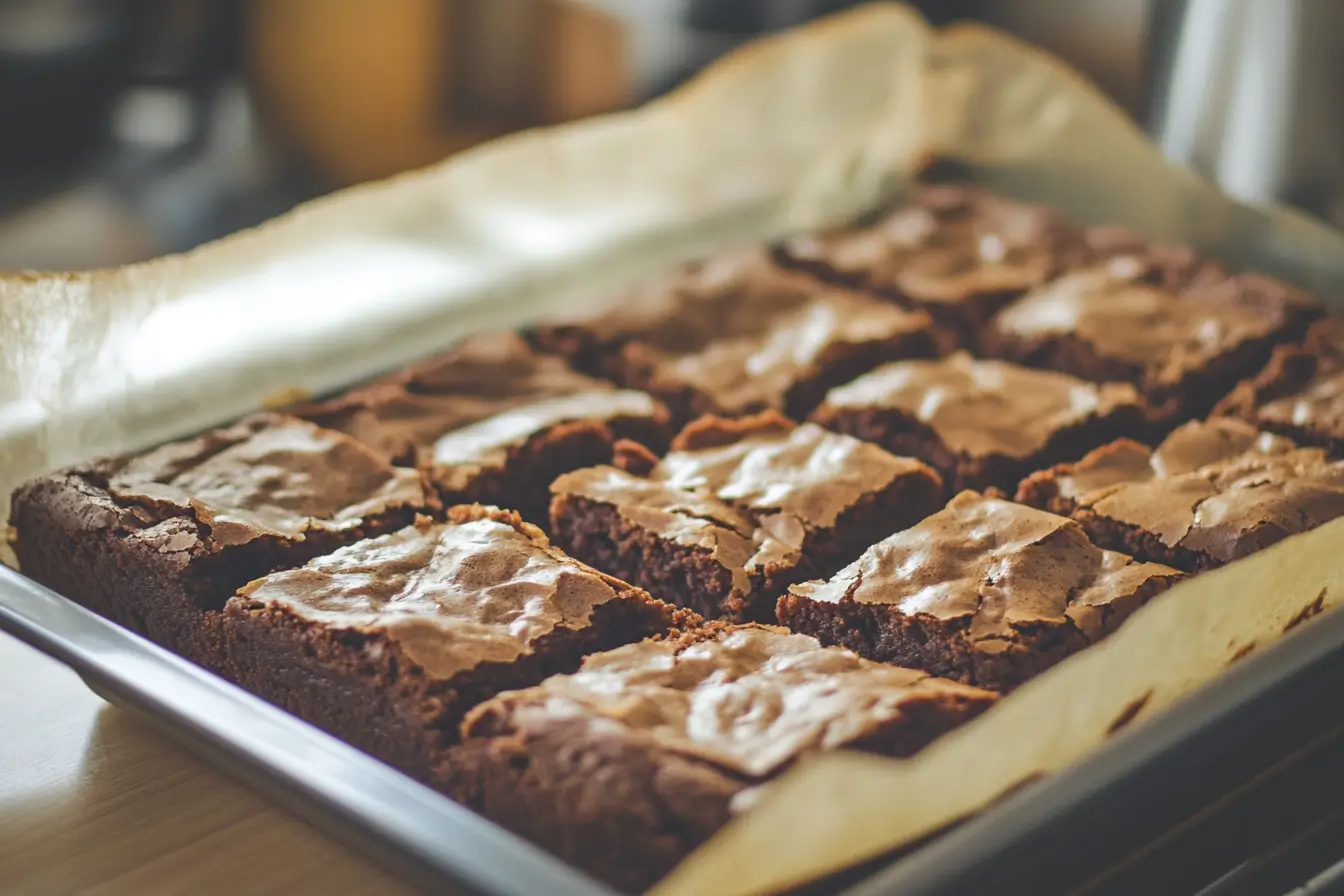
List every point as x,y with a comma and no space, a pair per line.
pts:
1153,807
1153,744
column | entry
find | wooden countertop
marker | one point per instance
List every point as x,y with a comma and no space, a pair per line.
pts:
93,801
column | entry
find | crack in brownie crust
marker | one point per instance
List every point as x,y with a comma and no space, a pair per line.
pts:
626,766
981,424
388,642
986,591
1211,493
158,542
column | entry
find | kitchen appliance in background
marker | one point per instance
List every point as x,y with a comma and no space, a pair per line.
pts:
1251,94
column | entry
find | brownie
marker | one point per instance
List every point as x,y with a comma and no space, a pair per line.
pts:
986,591
982,424
494,422
960,254
736,335
1183,350
626,766
738,511
386,643
1300,393
158,542
1211,493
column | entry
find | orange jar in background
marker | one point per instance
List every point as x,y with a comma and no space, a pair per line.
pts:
361,89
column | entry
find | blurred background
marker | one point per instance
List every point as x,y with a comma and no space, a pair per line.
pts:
131,128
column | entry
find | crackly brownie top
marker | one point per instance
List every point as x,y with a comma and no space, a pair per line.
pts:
981,408
997,566
741,331
464,453
694,518
790,478
484,587
1164,335
268,475
1303,386
481,377
749,698
1217,487
951,243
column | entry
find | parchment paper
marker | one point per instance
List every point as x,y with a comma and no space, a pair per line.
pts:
792,133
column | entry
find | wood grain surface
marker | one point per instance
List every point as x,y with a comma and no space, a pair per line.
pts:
93,801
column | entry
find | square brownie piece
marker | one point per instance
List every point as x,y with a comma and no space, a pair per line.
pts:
982,423
1300,393
961,254
386,643
494,422
626,766
986,592
1183,350
737,335
1211,493
159,541
738,510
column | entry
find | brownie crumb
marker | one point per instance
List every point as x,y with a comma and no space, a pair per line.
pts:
1128,714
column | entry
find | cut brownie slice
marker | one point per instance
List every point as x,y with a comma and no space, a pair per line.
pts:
986,591
386,643
157,541
830,494
626,766
738,510
495,422
737,335
956,252
1300,393
1183,351
1211,493
982,424
684,545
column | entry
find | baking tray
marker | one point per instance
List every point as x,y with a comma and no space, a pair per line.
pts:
1150,731
1154,806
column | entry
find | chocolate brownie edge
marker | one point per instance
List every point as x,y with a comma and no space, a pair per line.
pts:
363,688
523,482
941,648
71,536
598,799
598,535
